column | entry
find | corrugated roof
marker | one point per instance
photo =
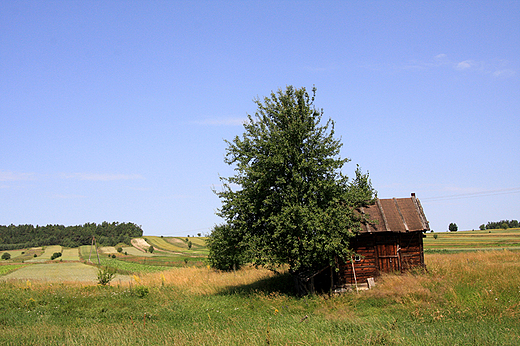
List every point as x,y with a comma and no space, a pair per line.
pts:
395,215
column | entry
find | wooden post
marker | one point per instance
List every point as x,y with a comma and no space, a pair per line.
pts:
354,271
97,253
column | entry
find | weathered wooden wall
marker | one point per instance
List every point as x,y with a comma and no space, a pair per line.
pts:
381,253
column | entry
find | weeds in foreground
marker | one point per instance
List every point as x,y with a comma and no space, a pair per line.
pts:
105,275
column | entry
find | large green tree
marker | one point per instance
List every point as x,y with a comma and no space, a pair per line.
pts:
289,202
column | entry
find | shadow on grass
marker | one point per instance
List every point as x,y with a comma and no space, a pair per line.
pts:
281,283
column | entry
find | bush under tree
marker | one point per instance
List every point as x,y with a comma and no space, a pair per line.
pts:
228,251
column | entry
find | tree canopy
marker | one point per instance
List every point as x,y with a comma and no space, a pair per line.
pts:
288,202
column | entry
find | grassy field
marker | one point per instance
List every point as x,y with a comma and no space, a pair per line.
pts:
69,255
473,240
464,299
66,272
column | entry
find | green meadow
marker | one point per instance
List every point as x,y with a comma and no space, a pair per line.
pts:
463,298
495,239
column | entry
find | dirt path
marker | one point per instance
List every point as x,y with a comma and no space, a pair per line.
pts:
141,244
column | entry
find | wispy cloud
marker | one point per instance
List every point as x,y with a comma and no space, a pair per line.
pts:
505,73
14,176
498,69
222,121
102,177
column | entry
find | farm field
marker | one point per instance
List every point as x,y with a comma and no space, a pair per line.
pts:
57,272
468,298
473,240
46,254
70,254
134,261
180,245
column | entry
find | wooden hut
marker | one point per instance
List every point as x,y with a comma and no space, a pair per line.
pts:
391,242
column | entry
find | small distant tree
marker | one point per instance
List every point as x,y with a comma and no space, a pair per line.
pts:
189,244
435,236
453,227
199,234
55,255
482,227
6,256
119,249
151,249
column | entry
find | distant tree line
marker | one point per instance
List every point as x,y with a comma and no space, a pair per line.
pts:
107,234
505,224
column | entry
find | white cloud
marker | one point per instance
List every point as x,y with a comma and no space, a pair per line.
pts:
496,68
464,65
102,177
13,176
504,73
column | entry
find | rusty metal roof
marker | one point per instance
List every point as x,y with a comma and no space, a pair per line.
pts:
395,215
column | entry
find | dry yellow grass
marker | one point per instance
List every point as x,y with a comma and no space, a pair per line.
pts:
457,284
203,281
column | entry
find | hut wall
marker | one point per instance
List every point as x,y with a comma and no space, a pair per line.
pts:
381,252
365,267
411,252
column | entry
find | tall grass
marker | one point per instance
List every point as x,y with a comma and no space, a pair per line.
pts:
463,299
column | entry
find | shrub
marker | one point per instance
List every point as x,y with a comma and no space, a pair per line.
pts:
113,255
141,291
119,249
150,249
105,276
6,256
55,255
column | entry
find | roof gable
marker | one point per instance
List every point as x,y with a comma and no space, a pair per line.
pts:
395,215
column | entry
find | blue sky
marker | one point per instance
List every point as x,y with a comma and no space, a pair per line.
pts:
118,110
